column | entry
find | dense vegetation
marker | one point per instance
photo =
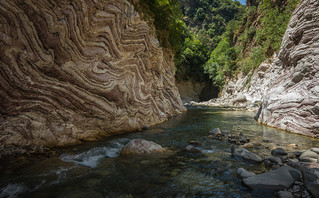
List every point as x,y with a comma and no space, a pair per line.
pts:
219,38
207,21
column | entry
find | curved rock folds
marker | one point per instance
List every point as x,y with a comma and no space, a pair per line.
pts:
292,99
79,70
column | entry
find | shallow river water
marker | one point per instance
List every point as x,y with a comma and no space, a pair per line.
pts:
95,169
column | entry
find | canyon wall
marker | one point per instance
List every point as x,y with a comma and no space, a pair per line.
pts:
79,70
287,87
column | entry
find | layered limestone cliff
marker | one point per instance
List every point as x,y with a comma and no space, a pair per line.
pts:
79,70
292,99
287,87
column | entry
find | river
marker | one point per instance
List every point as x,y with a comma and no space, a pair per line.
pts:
95,169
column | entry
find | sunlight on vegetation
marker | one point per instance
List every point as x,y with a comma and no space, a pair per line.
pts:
219,38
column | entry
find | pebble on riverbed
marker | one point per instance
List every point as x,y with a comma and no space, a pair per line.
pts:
294,178
217,134
245,154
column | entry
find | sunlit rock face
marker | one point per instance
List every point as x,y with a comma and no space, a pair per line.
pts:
79,70
291,101
287,86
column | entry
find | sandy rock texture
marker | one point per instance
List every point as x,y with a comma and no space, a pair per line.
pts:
79,70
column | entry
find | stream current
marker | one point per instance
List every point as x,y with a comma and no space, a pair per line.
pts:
95,169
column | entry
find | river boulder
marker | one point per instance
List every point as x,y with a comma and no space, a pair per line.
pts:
193,149
140,146
278,152
278,179
245,154
309,156
310,173
244,173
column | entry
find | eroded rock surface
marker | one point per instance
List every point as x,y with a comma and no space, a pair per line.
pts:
274,180
286,87
140,146
292,99
79,70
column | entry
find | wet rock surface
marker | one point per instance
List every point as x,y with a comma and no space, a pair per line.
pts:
140,146
245,154
278,179
244,173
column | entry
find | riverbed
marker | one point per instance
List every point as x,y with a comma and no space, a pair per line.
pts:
95,169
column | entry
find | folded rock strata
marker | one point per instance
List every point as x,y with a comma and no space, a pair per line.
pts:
287,87
79,70
292,99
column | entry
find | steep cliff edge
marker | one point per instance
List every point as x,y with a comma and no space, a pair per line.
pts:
287,87
292,99
79,70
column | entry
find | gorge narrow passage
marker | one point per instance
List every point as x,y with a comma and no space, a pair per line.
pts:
95,169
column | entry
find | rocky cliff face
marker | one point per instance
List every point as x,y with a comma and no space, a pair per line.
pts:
288,86
292,99
79,70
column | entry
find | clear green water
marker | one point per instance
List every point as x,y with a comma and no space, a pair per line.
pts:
94,169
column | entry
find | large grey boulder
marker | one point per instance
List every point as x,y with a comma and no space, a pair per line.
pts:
310,173
275,180
316,150
278,152
244,173
245,154
284,194
309,156
140,146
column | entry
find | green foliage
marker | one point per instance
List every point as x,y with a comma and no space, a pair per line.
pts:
218,38
167,16
208,21
274,22
222,62
255,59
261,36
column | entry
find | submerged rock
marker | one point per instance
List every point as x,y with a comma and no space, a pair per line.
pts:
278,179
140,146
193,149
284,194
244,173
245,154
278,152
274,161
196,143
215,131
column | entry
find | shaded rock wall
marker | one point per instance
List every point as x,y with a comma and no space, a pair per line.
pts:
79,70
189,90
288,86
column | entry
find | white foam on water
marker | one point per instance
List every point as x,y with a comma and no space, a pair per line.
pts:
92,157
208,151
12,190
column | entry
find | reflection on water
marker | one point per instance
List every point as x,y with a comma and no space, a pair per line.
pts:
95,169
